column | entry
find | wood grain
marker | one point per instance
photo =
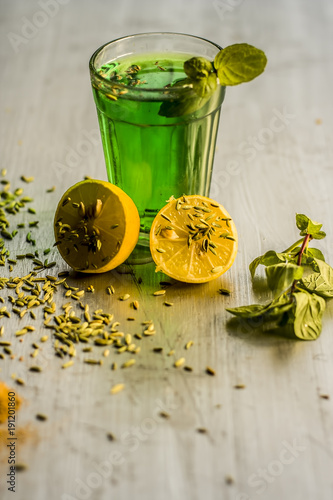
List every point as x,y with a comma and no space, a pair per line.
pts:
266,432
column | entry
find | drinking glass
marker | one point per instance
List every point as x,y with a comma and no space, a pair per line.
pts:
151,151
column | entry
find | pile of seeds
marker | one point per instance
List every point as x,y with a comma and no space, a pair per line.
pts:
11,204
33,293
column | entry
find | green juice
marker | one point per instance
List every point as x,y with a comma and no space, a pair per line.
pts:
149,154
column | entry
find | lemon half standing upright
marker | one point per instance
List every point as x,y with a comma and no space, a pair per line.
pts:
96,226
193,239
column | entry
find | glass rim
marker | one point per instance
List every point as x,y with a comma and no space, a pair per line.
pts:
138,90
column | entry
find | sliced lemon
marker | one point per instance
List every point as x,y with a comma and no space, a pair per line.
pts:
193,239
96,226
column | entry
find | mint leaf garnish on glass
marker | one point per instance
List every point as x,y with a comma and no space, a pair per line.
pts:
300,280
239,63
233,65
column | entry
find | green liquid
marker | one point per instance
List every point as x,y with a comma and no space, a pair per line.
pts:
152,157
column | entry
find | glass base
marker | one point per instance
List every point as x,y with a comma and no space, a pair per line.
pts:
141,253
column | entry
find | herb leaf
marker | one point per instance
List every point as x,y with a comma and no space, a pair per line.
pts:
320,282
239,63
308,226
308,314
191,98
204,87
270,258
313,254
235,64
281,276
198,68
273,310
299,300
250,311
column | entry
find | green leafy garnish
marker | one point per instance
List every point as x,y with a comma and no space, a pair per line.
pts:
233,65
281,276
300,280
198,67
190,97
307,226
239,63
320,282
308,313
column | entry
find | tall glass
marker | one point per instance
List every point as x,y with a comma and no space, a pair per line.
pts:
151,152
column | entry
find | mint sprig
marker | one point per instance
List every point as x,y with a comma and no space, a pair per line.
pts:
233,65
300,280
239,63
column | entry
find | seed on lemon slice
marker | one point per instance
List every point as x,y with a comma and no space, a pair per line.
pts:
193,239
96,226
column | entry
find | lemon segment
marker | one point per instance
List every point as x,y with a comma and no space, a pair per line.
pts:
96,226
193,239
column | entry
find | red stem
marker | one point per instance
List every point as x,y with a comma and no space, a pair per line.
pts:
304,244
299,259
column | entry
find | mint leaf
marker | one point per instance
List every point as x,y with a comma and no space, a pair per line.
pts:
249,312
308,226
204,87
181,102
272,310
281,276
308,315
303,315
308,257
320,282
270,258
313,254
325,270
279,306
319,235
239,63
233,65
299,302
302,222
190,95
198,67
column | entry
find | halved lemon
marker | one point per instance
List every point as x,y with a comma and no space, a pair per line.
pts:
96,226
193,239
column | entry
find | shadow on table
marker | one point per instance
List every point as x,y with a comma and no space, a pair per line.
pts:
255,331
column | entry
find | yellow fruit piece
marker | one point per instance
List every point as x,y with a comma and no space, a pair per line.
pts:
193,239
96,226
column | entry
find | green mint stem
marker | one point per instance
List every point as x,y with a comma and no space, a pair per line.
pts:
303,247
295,245
305,243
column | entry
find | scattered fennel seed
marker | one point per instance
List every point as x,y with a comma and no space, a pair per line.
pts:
68,364
179,362
164,414
117,388
128,363
41,417
27,179
124,297
35,369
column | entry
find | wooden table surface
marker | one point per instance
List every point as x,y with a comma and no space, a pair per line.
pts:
270,438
